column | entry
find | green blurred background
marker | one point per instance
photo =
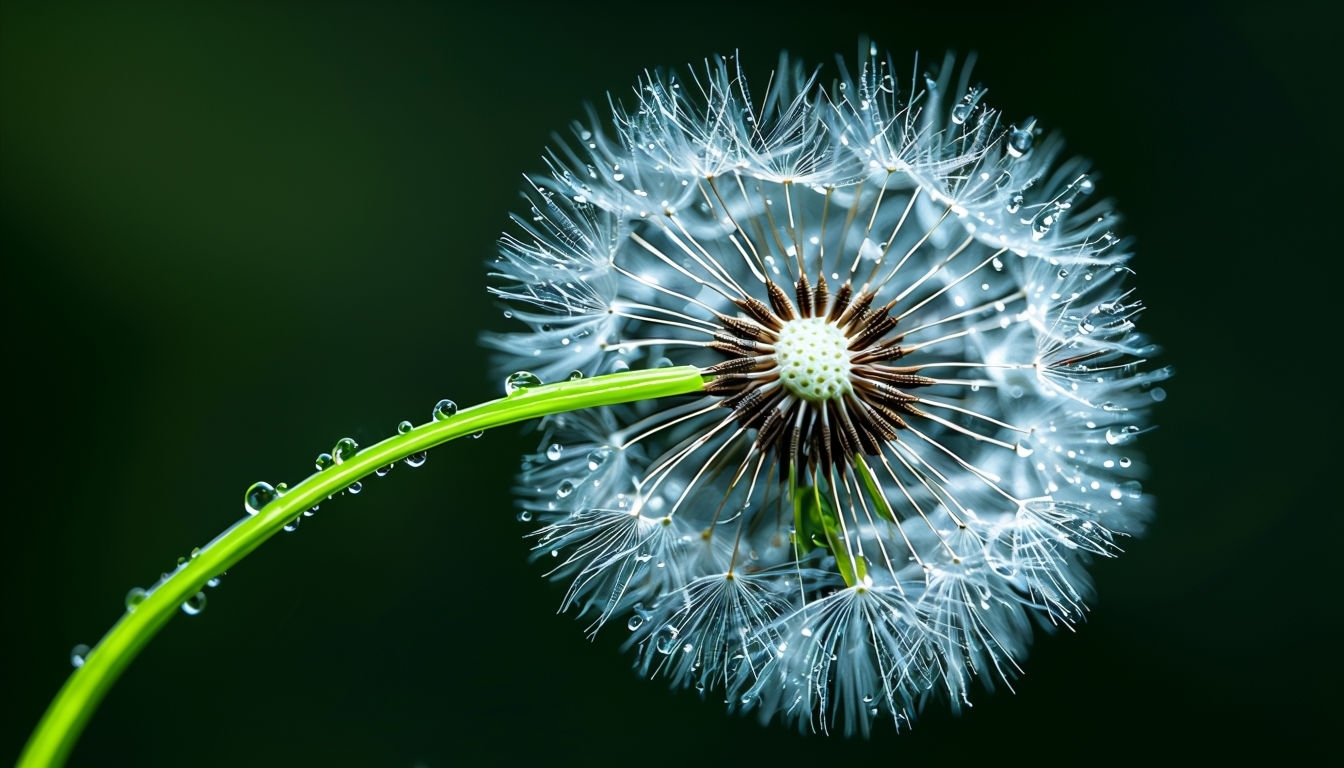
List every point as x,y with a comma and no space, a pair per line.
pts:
235,233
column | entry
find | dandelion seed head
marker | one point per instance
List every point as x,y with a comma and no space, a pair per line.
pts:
925,394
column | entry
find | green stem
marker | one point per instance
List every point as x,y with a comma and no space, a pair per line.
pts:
69,712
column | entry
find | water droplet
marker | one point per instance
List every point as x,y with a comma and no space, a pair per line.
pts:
519,381
565,489
212,583
574,376
135,597
444,409
525,516
292,525
416,459
323,461
477,435
666,639
382,471
555,451
258,496
404,427
662,362
635,622
1116,436
345,448
78,654
1019,139
194,604
962,111
355,487
1125,462
597,457
1024,450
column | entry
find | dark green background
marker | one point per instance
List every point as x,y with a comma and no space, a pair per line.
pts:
234,234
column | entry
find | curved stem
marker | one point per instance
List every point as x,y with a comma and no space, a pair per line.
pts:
59,728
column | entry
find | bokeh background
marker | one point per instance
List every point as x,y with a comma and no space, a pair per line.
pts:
235,233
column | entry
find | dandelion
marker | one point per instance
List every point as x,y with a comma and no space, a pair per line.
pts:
923,389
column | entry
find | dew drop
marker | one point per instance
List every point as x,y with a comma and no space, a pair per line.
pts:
574,376
355,487
194,604
565,489
1125,462
78,654
404,427
1019,139
666,639
258,496
555,451
444,409
292,525
634,623
1024,450
525,516
135,597
416,459
519,381
212,583
345,448
382,471
323,461
597,457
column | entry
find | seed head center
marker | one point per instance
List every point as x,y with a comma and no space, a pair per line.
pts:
813,359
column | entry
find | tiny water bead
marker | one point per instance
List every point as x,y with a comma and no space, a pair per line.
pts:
345,448
355,487
194,604
443,410
555,451
404,427
416,459
78,655
323,461
519,381
258,496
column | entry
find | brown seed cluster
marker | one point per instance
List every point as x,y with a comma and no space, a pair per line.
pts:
816,433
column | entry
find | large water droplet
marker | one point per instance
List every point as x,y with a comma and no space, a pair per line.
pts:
1019,139
323,461
519,381
258,496
555,451
404,427
597,457
416,459
194,604
666,639
135,597
444,409
345,448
